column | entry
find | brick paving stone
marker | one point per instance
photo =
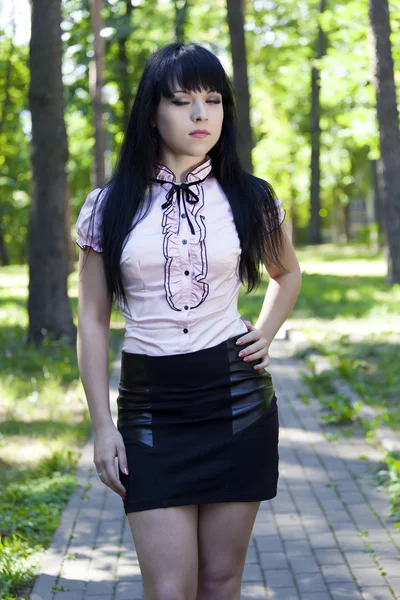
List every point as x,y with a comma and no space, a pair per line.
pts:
394,582
387,551
336,574
253,591
360,559
69,595
251,556
129,591
300,564
345,591
316,596
270,561
313,582
368,577
377,593
282,594
297,547
268,543
281,578
71,584
350,542
392,567
99,587
252,572
329,556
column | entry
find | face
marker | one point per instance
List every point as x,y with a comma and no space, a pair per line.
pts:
178,117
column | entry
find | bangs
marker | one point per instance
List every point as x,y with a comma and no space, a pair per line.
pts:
192,70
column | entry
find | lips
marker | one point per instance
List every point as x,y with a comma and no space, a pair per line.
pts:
200,133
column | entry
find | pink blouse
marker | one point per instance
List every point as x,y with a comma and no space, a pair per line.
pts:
179,266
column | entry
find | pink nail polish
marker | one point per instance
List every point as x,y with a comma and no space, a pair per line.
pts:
126,471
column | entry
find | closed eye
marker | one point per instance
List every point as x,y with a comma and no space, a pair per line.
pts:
183,103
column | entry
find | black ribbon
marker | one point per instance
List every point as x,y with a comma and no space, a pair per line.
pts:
184,193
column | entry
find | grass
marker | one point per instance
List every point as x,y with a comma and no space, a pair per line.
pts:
351,315
44,424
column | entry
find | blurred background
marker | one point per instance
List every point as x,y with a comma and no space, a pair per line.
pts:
316,85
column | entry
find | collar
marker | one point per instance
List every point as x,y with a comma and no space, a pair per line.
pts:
199,173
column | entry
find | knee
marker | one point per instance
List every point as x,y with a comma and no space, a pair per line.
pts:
171,590
219,584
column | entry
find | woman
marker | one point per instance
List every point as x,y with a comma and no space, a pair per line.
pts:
175,232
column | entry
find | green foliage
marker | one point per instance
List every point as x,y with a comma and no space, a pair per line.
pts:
389,477
31,502
341,410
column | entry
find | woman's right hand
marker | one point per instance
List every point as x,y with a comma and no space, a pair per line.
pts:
108,443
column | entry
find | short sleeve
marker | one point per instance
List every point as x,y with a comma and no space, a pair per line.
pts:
281,216
88,228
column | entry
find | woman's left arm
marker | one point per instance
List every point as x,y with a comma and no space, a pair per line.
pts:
280,298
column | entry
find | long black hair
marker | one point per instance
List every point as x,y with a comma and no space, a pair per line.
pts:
194,68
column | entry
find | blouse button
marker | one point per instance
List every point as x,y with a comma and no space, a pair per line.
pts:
186,272
185,330
186,307
183,216
184,241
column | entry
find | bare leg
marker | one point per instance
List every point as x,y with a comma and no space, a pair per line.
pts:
166,545
224,534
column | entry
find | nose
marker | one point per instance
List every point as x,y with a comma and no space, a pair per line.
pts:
199,112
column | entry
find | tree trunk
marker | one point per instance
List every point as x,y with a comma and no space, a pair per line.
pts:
181,8
236,19
3,115
48,304
346,222
314,231
4,261
96,70
125,87
377,200
7,81
389,138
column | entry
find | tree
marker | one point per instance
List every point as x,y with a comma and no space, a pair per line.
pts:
236,18
181,10
389,138
124,31
96,89
48,304
314,231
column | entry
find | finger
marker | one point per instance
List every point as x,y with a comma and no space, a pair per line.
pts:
262,365
110,478
122,460
260,354
255,347
251,336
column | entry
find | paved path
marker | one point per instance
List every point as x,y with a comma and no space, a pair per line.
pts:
326,536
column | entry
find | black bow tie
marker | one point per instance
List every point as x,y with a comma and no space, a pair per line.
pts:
183,192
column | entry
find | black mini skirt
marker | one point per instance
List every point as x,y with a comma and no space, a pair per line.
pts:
198,427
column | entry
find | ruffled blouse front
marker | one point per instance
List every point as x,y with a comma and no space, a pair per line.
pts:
184,201
179,265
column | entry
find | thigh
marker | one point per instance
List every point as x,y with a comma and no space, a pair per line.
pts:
223,537
166,545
